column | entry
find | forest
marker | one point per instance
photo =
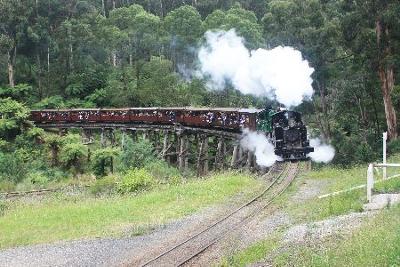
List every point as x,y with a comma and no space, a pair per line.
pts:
127,53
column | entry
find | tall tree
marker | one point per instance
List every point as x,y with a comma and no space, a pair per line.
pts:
372,29
184,26
14,19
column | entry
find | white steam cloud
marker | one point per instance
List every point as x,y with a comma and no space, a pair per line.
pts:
279,72
260,146
322,152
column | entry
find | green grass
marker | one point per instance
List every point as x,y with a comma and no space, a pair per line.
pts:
377,243
253,253
334,179
66,218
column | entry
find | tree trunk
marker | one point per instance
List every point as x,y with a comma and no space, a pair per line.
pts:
325,121
103,8
161,9
39,75
114,58
10,63
387,84
386,77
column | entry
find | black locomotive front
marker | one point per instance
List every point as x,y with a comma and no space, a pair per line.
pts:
290,136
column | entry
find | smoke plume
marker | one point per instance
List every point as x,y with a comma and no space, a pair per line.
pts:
280,72
260,146
322,152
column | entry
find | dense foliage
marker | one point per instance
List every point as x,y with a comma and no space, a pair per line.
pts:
116,53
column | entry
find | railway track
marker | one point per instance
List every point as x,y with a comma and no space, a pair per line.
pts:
37,192
280,176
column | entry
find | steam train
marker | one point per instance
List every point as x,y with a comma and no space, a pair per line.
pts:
284,128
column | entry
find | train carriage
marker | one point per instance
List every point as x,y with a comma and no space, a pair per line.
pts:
284,128
114,115
84,115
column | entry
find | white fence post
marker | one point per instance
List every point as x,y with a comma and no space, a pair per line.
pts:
370,181
384,155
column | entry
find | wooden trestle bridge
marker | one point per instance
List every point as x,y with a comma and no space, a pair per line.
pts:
202,149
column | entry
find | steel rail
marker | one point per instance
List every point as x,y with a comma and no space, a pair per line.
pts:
225,217
237,225
35,192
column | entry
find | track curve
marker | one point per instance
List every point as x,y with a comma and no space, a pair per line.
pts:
281,176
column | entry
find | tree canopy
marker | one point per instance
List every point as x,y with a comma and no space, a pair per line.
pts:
115,53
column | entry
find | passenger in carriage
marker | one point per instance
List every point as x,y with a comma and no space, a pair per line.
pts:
210,117
223,118
171,116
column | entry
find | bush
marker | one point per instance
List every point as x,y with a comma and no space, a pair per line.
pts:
135,180
394,146
105,185
38,178
103,159
13,167
136,155
73,156
163,172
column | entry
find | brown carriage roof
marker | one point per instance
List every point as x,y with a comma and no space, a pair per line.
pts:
244,110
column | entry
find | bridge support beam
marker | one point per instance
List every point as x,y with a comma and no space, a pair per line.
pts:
102,138
235,155
183,152
250,159
219,156
202,157
134,135
111,136
165,145
123,134
205,156
145,134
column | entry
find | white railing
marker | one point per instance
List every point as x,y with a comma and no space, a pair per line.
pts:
370,176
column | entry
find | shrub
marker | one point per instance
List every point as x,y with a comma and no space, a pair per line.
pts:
103,159
13,167
135,180
38,178
105,185
394,146
136,154
163,172
73,155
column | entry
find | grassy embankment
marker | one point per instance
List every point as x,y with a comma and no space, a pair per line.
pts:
64,217
377,243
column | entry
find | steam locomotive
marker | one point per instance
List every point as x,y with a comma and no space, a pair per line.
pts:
285,129
287,132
